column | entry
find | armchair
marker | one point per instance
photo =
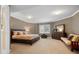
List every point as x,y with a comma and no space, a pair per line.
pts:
72,42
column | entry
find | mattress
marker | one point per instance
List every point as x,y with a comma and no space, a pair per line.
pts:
25,37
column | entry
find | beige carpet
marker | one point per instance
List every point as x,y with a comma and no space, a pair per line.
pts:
43,46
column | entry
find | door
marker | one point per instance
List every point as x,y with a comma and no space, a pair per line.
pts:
5,29
0,28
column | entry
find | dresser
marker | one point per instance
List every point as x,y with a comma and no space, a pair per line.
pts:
59,32
58,35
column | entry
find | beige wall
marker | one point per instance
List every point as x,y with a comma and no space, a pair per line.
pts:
75,25
71,24
18,24
68,24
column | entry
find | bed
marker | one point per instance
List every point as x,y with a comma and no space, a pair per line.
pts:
19,36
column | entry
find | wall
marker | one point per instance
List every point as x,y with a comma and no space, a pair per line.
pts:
68,24
75,25
18,24
71,24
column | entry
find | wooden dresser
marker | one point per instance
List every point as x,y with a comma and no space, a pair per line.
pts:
58,35
59,32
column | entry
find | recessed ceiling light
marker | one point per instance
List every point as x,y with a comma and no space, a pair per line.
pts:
57,12
29,17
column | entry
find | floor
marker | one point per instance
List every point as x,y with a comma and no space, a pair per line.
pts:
43,46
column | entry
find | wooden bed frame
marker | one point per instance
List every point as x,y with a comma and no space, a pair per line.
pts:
21,40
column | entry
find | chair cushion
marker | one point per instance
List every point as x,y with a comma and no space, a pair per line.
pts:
75,38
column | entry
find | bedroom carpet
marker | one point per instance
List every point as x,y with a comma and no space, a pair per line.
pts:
43,46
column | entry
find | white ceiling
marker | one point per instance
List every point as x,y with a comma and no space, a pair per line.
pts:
42,13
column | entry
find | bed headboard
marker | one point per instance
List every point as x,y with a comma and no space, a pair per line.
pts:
17,29
11,31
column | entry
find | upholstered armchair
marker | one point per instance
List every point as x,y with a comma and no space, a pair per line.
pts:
72,41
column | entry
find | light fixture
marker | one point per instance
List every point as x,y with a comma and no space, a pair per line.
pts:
57,12
29,17
27,30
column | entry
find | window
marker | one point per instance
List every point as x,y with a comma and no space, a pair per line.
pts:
45,28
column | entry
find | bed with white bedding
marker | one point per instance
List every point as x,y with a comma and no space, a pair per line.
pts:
21,37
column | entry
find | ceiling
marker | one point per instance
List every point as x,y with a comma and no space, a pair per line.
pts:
42,13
